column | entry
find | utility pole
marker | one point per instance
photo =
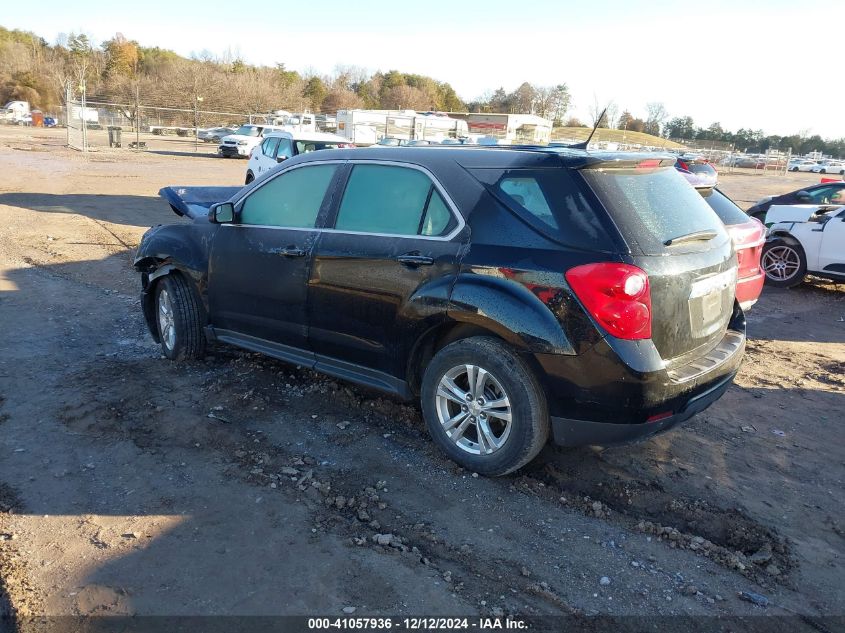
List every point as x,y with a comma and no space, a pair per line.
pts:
137,117
197,100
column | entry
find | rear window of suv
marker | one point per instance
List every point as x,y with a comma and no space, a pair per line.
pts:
550,201
724,207
652,205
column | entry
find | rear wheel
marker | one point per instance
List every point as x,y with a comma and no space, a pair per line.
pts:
484,406
784,263
179,320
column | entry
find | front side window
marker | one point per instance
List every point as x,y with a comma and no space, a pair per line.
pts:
823,195
285,149
268,147
292,199
392,200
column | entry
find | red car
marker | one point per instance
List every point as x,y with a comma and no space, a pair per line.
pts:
748,235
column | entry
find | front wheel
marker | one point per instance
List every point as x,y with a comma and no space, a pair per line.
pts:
179,320
784,263
484,406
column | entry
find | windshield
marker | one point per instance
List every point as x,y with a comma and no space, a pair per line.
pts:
248,130
652,205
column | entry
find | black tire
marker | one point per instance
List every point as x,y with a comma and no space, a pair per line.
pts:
794,169
782,249
822,171
249,177
529,426
188,338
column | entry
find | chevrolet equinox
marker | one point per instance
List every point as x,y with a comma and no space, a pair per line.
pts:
518,293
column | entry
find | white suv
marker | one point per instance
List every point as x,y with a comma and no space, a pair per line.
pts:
244,139
278,146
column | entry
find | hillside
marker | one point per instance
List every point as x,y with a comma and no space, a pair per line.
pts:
614,136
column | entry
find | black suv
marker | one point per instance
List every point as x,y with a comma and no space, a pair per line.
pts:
514,291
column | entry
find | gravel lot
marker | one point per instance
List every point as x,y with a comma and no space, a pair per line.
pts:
244,486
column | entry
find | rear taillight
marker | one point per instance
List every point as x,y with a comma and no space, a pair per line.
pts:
616,295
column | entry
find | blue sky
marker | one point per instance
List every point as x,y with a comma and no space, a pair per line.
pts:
777,66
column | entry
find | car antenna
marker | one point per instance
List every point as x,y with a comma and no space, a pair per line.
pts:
583,144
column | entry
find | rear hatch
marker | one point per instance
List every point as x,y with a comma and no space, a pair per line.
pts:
681,244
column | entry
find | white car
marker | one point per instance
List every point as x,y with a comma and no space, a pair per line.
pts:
245,139
279,146
801,164
829,167
802,239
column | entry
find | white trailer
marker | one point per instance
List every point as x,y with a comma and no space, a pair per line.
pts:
367,127
15,111
511,128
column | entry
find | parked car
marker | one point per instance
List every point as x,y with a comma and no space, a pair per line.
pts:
49,121
214,134
279,146
829,167
801,164
748,234
390,141
241,143
516,292
815,194
805,239
697,171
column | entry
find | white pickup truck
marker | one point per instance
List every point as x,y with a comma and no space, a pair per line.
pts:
802,239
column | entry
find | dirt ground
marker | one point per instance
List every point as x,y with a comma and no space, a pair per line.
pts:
243,486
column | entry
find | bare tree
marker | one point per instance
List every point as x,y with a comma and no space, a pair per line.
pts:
655,116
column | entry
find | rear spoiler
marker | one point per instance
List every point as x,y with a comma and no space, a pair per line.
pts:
194,202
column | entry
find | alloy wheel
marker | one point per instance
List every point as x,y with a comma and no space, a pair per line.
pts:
473,409
166,320
781,263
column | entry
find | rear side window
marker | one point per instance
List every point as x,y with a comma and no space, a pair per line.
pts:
652,205
550,201
724,207
303,147
392,200
292,199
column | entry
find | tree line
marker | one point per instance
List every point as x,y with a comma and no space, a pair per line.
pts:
123,71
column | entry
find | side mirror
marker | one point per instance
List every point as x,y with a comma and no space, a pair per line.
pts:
280,158
222,213
803,196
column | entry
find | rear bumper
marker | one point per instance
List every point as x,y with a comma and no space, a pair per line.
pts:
621,391
748,289
568,432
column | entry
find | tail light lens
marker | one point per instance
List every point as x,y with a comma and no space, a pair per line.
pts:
616,295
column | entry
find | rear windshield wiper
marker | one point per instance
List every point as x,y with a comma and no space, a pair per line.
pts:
695,236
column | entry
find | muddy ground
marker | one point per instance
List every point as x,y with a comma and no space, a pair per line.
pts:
243,486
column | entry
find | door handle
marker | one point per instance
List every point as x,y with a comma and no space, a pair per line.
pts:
412,259
290,251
